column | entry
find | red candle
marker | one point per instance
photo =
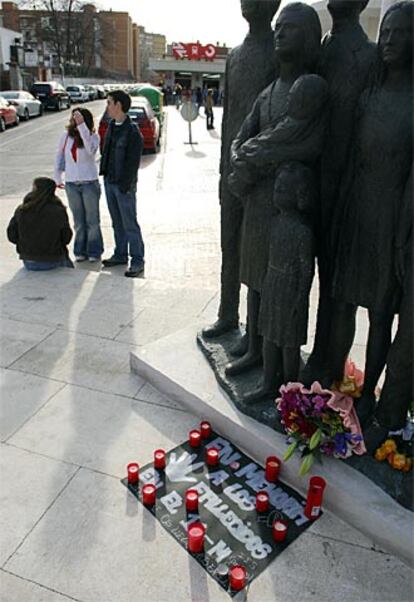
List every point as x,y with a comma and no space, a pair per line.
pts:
191,500
133,473
314,499
205,429
262,501
237,577
212,455
195,438
272,469
148,494
159,459
196,532
279,530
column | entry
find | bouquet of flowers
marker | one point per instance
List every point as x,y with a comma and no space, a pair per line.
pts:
319,421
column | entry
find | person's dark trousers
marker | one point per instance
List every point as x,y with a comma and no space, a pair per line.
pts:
127,232
231,224
210,118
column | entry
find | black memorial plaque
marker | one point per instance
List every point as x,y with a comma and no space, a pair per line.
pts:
235,532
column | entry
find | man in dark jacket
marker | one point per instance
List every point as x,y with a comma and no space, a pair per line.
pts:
119,165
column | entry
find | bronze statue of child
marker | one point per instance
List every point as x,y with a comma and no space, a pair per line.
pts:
283,320
304,114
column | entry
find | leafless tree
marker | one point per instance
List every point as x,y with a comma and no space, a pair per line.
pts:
72,32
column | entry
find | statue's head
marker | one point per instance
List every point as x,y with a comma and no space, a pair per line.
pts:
396,35
295,188
298,34
259,10
346,8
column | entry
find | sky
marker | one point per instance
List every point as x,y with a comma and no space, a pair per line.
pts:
209,21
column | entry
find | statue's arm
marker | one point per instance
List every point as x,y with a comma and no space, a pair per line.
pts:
249,129
404,228
225,112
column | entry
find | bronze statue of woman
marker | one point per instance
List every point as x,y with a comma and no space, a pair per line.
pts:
297,45
366,226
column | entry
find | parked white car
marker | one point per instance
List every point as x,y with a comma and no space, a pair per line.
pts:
77,93
25,103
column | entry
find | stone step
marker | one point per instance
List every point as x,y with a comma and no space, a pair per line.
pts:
176,368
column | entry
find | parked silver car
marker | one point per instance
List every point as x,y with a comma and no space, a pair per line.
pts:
77,93
25,103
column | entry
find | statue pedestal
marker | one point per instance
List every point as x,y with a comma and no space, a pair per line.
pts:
177,369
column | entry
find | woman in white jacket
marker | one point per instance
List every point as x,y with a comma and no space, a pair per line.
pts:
76,158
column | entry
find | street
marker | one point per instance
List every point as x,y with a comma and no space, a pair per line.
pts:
28,151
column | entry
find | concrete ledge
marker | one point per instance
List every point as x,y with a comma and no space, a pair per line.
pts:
177,368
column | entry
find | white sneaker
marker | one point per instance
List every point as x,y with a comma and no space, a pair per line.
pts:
80,258
94,259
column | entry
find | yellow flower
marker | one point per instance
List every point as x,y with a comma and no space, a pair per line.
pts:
399,461
389,446
381,454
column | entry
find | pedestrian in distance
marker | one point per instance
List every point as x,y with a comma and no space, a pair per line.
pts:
76,159
119,165
209,103
40,228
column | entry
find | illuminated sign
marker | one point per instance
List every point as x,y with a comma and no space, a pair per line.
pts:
194,51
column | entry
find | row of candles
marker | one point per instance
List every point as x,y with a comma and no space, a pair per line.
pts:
196,530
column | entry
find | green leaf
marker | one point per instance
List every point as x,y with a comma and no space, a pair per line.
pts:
306,465
315,439
290,450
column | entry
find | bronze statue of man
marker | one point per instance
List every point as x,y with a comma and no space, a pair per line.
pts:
250,68
347,58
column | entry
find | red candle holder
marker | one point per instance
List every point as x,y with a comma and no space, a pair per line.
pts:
194,438
149,493
237,577
272,470
315,495
212,456
191,500
205,429
159,459
279,530
196,532
262,501
133,473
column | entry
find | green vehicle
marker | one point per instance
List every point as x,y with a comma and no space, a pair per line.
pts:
155,98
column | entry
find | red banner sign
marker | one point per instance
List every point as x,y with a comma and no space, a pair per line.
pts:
194,51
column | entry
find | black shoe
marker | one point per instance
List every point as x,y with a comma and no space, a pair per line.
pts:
113,261
221,326
134,271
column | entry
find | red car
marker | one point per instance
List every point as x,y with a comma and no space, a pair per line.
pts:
8,114
142,114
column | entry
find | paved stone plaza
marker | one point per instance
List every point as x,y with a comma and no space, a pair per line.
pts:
73,415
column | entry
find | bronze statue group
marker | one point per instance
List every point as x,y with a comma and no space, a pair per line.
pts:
316,164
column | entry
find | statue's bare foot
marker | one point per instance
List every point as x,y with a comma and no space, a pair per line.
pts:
374,436
248,361
221,326
241,347
259,394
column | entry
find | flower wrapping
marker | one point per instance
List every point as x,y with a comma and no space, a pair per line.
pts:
319,421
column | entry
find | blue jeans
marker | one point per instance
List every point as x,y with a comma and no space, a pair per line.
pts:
41,266
83,200
127,232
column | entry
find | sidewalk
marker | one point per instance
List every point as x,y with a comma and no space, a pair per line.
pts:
72,415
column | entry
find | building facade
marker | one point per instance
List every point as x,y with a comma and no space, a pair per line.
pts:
103,44
189,65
